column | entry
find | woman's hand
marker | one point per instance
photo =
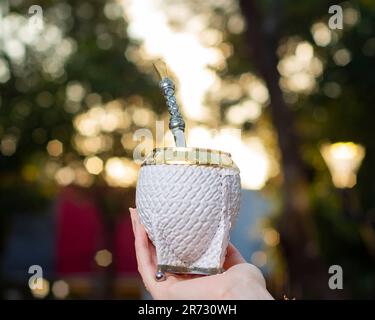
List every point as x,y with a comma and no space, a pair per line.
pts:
241,280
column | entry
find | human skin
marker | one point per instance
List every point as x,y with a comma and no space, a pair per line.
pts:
239,281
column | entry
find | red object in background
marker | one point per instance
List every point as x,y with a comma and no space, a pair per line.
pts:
124,251
79,233
80,236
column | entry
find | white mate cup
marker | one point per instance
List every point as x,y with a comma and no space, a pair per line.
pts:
187,200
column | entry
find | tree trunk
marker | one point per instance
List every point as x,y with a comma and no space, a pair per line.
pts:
307,276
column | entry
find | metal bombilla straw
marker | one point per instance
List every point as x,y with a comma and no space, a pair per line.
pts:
176,123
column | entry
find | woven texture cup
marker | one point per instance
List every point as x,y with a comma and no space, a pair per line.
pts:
188,199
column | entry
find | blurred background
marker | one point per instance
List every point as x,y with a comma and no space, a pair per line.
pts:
273,82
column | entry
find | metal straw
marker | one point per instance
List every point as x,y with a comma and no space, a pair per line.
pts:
176,123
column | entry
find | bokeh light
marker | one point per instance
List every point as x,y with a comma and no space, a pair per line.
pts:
55,148
94,165
343,160
103,258
42,291
60,289
121,172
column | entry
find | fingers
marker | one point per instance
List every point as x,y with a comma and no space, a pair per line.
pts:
233,257
146,264
250,282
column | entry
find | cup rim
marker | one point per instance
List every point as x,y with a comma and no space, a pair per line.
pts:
190,156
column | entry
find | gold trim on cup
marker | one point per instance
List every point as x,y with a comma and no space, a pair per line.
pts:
190,156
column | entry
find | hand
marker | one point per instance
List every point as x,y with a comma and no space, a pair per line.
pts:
241,280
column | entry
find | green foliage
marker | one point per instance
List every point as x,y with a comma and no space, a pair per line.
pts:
33,109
